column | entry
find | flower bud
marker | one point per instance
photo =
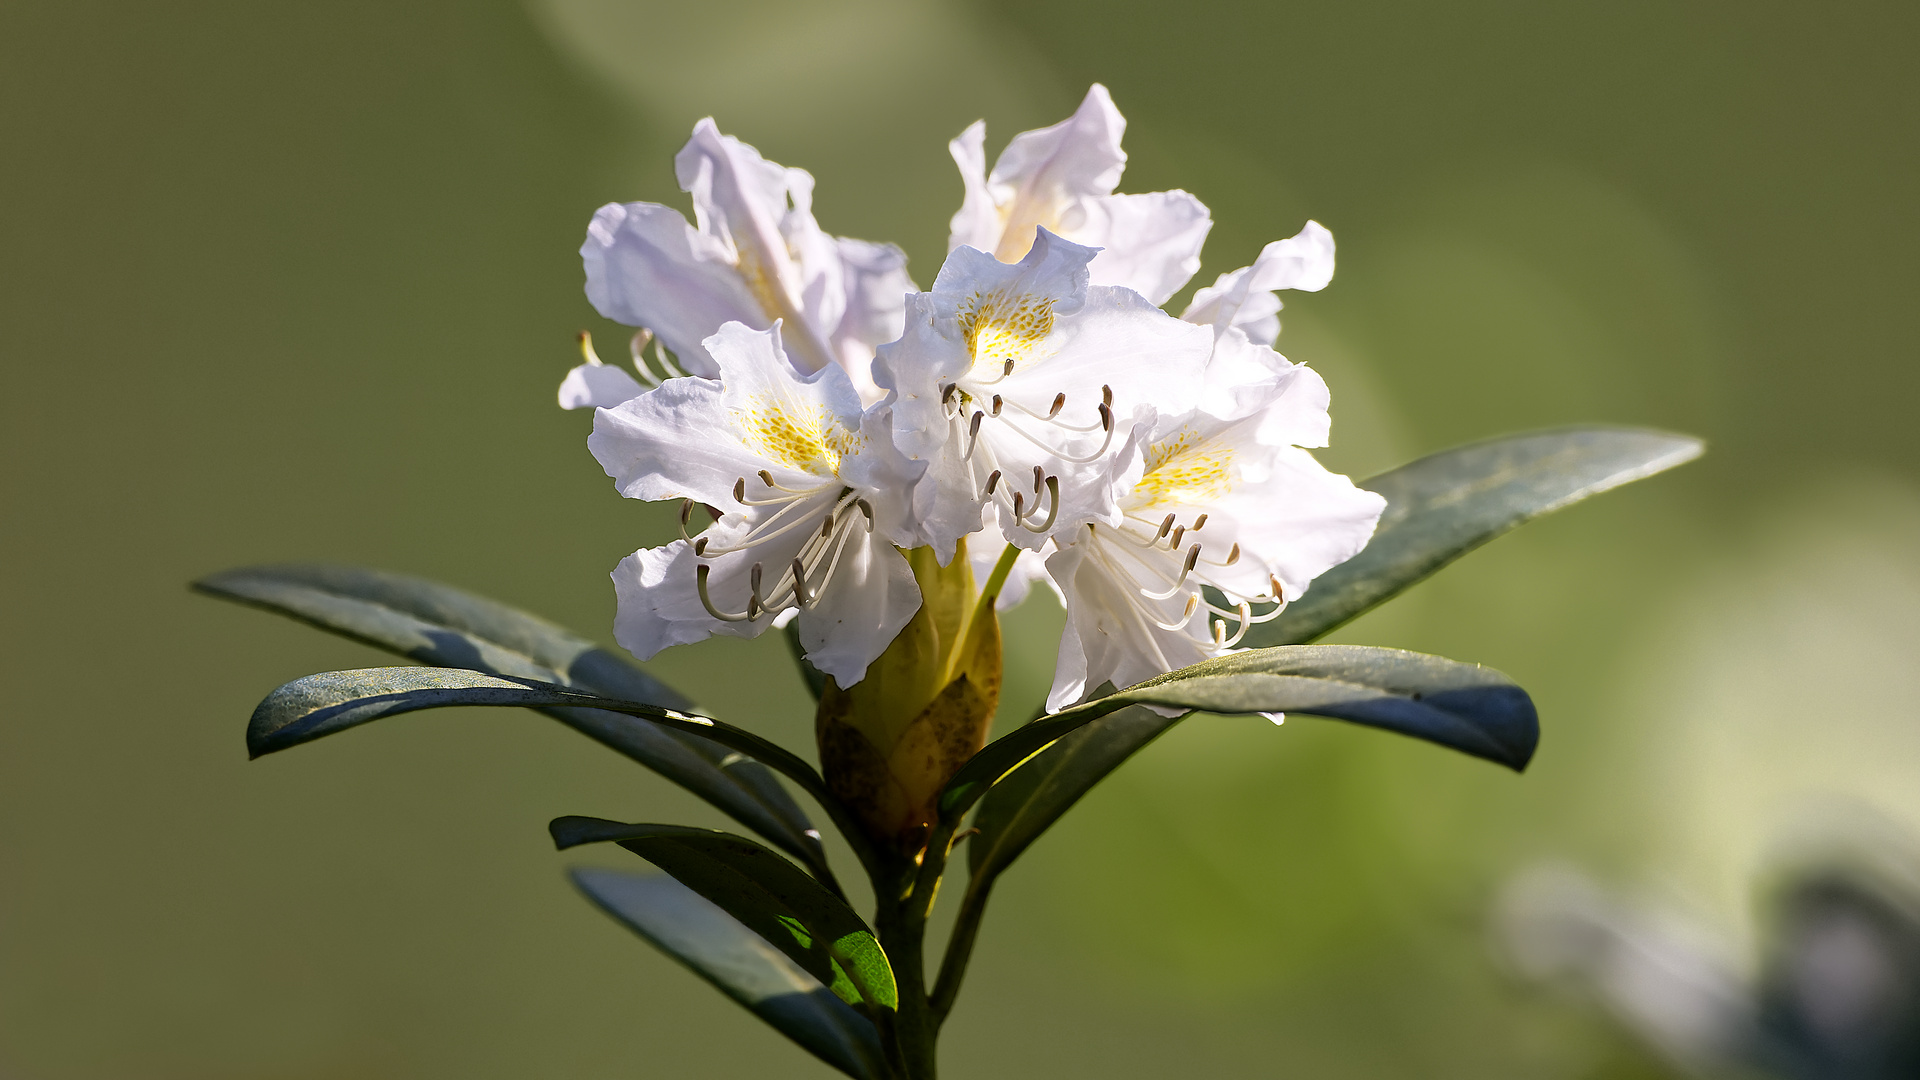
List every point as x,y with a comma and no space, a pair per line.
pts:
891,741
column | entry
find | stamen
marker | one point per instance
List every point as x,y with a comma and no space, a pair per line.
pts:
1278,592
1008,370
753,594
740,490
973,435
686,512
1199,523
1018,502
1186,568
1106,396
700,585
997,403
867,509
1173,542
1193,602
700,547
1165,527
586,347
993,481
1106,418
1059,402
1039,478
1053,490
800,584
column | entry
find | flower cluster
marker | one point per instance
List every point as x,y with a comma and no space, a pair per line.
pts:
827,414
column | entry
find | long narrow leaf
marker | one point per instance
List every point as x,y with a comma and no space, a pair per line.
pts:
1445,505
447,627
740,963
1467,707
766,893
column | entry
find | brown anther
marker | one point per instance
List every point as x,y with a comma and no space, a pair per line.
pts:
1165,528
1173,542
973,429
946,394
1278,592
1039,479
766,477
1199,523
1019,500
800,583
740,490
700,547
1233,556
1106,396
993,481
1059,402
996,404
1008,370
1106,417
1193,557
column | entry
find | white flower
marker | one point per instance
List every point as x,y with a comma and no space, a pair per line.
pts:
1015,383
756,256
810,504
1061,179
1245,297
1209,501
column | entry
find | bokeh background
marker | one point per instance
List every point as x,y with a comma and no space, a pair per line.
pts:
298,282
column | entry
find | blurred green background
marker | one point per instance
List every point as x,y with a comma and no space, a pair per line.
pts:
298,282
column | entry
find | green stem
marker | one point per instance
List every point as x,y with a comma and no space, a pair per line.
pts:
953,967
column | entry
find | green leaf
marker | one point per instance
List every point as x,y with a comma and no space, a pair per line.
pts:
1470,708
1438,508
1445,505
692,930
1031,798
766,893
443,626
320,705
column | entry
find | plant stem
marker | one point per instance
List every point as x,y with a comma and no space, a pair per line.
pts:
953,967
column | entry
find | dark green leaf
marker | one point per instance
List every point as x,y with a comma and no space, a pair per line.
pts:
1445,505
1032,797
440,625
689,928
1438,508
1467,707
319,705
766,893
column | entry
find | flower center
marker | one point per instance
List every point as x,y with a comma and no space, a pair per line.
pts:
811,441
1003,332
1184,469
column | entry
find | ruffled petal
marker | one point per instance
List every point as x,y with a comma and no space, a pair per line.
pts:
876,285
598,386
872,598
647,267
1149,243
1116,636
978,223
1245,297
759,210
1043,174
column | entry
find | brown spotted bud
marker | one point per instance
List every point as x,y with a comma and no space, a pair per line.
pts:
891,741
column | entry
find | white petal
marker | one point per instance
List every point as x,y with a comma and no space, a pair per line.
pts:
870,600
759,210
686,438
1149,243
598,386
977,224
1052,268
1244,298
1111,634
876,284
1303,520
1043,173
647,267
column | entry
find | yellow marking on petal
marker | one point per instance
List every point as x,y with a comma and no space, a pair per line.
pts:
1022,217
1183,469
763,283
999,328
810,440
